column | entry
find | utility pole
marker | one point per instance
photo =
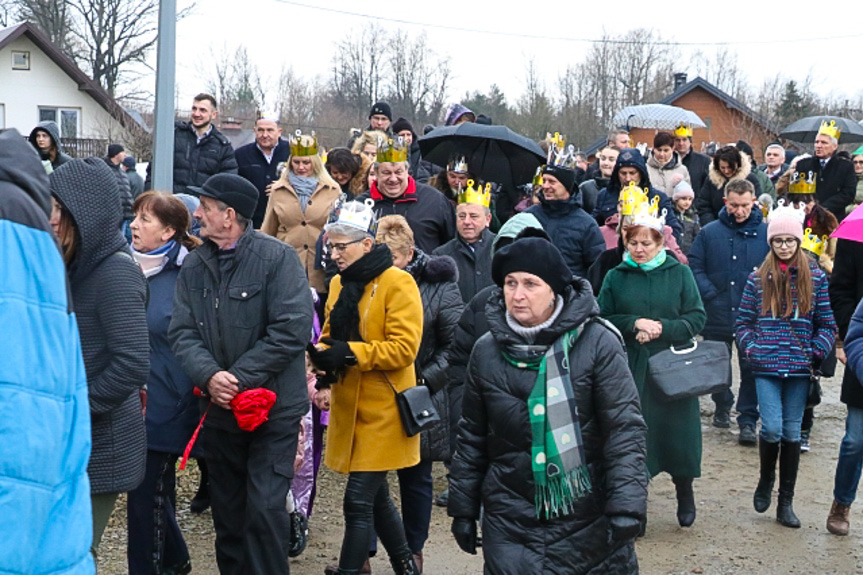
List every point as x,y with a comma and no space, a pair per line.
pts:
163,134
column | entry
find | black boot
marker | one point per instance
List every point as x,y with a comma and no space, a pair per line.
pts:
789,461
404,565
768,452
685,501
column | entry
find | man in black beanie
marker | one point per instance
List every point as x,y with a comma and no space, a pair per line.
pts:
114,158
242,318
380,118
570,228
421,170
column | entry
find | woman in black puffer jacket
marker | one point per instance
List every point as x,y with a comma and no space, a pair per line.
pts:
436,277
499,464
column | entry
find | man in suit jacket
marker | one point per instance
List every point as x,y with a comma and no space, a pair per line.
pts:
697,164
774,162
258,162
835,181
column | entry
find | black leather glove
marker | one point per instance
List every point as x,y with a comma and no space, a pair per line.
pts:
464,531
332,359
325,381
623,527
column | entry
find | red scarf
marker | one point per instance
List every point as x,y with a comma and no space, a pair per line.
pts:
409,195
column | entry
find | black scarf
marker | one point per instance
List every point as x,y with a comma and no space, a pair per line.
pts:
345,315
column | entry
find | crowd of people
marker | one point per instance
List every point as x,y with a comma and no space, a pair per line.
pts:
281,294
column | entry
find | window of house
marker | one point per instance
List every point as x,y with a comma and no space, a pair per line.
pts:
69,120
20,60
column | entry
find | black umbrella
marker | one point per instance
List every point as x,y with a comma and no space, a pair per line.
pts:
805,129
493,153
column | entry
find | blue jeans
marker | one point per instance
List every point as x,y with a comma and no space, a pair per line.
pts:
850,458
781,401
747,400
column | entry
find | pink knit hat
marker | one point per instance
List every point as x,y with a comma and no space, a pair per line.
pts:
785,225
682,190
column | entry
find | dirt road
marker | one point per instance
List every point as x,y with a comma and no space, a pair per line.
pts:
728,535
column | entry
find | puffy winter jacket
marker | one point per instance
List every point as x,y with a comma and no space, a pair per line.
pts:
125,189
785,346
442,306
711,198
606,202
194,162
572,230
721,258
492,464
45,521
661,175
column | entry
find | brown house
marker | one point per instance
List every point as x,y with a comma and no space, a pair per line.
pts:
727,119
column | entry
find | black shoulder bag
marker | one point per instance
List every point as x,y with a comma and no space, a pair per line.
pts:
416,409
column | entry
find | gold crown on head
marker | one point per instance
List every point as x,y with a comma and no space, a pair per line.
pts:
802,183
830,129
537,177
480,196
298,148
392,150
683,131
631,197
559,154
647,214
813,243
457,165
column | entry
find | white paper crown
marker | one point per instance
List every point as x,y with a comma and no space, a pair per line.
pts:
359,215
647,214
785,210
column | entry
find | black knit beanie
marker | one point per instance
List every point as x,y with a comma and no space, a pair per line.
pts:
536,256
400,125
565,175
114,149
382,108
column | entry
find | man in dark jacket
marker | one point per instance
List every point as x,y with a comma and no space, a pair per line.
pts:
380,119
136,182
200,150
421,170
429,214
242,319
471,248
835,182
774,162
571,229
114,159
630,167
45,137
697,164
846,291
258,162
723,255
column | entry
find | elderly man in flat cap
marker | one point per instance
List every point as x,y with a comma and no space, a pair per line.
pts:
242,319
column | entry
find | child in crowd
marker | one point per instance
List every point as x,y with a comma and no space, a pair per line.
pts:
683,197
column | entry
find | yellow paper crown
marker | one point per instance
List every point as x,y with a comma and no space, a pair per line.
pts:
647,214
457,165
480,196
631,197
830,129
392,150
537,177
299,149
802,184
813,243
683,131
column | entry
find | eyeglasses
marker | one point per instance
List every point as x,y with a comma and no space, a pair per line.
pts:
858,162
333,248
779,242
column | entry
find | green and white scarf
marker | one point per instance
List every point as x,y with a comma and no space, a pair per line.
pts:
557,453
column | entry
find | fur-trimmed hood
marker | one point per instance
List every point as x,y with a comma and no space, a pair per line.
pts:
432,269
719,180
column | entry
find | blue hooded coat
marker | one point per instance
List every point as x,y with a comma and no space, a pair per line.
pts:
606,202
45,516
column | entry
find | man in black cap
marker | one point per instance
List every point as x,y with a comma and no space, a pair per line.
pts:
380,118
421,170
242,319
136,182
114,159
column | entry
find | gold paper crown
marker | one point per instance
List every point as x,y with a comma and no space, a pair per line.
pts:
479,196
829,129
647,214
631,197
537,177
683,131
802,184
457,165
392,150
813,243
298,149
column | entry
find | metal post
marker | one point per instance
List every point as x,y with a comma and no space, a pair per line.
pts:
163,133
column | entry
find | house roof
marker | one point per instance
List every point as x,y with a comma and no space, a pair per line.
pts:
700,82
85,83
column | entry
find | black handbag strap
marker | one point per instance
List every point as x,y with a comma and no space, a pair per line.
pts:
392,387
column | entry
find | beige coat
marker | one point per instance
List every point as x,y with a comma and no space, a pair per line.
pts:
661,175
286,221
365,432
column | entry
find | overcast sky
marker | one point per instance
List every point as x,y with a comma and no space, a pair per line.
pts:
279,34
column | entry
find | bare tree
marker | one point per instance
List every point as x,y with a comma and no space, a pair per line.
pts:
357,71
236,83
6,10
52,17
535,114
112,35
416,77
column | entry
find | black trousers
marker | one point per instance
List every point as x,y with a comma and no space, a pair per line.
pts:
369,508
155,541
250,475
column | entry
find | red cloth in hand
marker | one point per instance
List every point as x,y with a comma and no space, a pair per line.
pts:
252,407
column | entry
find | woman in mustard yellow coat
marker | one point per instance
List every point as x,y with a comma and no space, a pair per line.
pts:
371,338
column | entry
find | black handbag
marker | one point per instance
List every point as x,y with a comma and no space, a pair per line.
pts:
813,394
416,409
701,369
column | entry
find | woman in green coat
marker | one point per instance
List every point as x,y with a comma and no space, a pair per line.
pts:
654,302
